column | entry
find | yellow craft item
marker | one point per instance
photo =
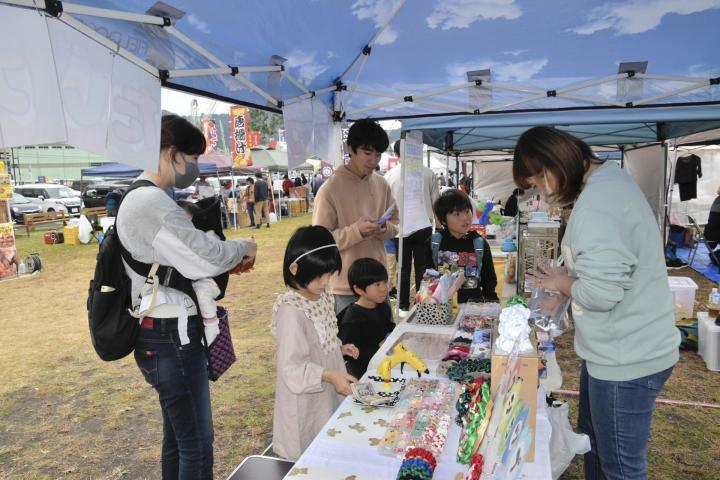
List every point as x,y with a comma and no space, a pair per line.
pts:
402,356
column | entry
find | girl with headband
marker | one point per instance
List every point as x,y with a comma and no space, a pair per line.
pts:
311,375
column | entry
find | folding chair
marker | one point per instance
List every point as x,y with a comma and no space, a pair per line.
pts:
699,238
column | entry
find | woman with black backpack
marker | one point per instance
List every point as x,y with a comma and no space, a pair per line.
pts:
169,352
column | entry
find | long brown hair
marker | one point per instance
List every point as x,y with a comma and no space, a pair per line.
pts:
543,150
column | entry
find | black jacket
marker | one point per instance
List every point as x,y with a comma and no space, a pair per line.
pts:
365,328
261,190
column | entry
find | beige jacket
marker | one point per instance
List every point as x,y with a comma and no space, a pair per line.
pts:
343,199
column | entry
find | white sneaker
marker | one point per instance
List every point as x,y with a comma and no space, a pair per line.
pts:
402,314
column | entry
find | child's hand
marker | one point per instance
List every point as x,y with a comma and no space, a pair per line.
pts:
341,381
350,350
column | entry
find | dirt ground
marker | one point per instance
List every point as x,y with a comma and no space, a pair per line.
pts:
64,413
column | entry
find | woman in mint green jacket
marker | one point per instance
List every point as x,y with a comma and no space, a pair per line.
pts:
621,302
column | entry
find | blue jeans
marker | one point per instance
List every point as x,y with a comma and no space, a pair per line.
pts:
616,416
179,374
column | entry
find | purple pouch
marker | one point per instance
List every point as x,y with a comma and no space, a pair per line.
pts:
221,353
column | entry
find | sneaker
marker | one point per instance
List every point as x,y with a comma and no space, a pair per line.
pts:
403,314
674,264
268,225
258,225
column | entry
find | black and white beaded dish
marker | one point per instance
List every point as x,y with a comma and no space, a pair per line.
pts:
397,385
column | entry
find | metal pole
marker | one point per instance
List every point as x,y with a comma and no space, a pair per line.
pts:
457,170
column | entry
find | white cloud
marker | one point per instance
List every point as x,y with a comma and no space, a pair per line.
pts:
638,16
307,67
502,71
449,14
378,11
198,24
514,53
331,55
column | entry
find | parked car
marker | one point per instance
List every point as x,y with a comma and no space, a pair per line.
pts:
19,206
94,195
51,198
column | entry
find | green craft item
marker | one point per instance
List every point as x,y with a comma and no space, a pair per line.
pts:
517,300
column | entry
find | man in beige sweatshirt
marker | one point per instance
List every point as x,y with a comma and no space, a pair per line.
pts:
350,202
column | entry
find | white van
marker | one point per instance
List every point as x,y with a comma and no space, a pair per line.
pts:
51,197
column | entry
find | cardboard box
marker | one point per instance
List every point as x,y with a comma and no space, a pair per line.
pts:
243,219
528,375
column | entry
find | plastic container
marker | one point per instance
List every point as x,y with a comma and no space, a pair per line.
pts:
709,342
683,290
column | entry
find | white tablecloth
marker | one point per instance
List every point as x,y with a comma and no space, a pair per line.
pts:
346,447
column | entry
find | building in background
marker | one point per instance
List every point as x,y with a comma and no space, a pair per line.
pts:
54,162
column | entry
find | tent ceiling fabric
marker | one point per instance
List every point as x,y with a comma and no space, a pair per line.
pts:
428,45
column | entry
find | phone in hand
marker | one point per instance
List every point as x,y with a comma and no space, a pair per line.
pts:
386,216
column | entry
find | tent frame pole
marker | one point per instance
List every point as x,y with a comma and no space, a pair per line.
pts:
209,56
308,95
679,91
72,22
295,82
374,39
200,72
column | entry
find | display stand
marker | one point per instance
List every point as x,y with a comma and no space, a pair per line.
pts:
8,250
538,245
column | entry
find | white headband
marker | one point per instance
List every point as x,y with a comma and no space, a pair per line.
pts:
331,245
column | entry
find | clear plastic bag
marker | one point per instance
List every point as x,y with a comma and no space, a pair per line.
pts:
549,311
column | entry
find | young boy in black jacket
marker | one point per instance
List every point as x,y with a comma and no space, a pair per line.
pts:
367,322
456,247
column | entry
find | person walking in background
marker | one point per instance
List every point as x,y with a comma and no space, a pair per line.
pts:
317,183
416,243
350,203
287,184
261,192
511,206
303,179
622,305
250,200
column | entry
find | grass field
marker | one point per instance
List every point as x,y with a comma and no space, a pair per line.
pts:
64,413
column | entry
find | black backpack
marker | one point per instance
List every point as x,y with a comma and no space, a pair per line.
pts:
113,329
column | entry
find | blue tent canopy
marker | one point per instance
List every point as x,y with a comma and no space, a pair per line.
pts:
396,58
119,170
111,170
595,127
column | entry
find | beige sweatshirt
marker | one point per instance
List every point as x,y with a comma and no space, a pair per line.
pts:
342,200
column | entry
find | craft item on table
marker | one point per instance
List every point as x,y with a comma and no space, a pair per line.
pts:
402,356
473,420
476,464
417,464
481,344
391,395
517,300
421,419
508,436
468,370
508,245
364,393
513,329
